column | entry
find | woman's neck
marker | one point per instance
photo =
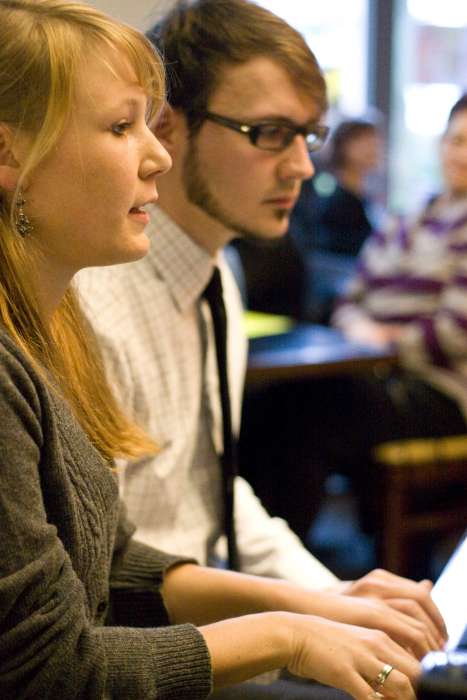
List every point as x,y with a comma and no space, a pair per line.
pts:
50,284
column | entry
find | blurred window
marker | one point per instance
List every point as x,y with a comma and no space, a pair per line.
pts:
429,60
336,32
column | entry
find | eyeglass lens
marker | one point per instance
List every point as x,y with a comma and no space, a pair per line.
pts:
277,136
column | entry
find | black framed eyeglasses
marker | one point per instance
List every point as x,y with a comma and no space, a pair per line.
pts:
274,135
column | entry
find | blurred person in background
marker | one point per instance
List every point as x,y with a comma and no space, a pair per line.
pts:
336,211
409,295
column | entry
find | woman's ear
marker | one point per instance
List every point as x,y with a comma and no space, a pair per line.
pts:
9,167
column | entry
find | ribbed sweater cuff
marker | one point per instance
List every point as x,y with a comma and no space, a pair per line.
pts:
135,596
142,563
181,663
191,675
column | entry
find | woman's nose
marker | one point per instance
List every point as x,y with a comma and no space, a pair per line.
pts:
157,160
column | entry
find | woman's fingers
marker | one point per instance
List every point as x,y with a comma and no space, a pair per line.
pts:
394,670
414,610
405,629
387,650
351,658
396,685
409,625
417,640
428,604
411,634
359,688
383,584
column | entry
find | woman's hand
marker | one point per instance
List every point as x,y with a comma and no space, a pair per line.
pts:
350,658
410,597
340,640
202,595
404,620
410,631
339,655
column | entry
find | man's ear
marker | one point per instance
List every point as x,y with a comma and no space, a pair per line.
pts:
9,167
169,126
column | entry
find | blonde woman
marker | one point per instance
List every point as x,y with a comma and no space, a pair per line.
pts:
85,611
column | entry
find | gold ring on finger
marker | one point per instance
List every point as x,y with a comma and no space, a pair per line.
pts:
382,676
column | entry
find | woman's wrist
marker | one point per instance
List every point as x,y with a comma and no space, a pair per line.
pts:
244,647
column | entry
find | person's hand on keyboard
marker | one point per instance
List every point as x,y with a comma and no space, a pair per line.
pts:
357,660
409,597
418,636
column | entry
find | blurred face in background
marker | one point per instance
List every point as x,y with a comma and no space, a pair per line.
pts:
454,155
364,152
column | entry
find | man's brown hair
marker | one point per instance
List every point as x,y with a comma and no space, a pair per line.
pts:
199,39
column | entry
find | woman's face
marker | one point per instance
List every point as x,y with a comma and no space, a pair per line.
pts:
364,152
85,199
454,155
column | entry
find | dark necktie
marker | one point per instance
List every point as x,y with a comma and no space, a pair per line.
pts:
214,297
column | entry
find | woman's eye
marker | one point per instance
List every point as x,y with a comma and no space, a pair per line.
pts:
120,128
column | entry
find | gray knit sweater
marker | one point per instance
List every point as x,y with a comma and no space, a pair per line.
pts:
77,595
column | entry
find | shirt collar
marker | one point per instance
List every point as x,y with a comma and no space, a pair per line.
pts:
185,266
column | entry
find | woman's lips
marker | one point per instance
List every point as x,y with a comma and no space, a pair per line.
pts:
139,215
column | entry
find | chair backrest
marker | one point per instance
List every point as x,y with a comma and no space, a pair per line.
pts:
422,450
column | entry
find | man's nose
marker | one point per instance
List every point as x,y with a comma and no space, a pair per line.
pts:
296,162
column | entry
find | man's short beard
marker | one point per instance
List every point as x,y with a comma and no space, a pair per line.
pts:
198,192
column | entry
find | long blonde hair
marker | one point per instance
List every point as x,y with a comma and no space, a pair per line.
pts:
42,43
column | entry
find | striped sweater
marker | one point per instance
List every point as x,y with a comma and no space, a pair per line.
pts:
415,274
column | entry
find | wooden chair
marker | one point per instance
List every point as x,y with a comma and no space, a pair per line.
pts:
421,492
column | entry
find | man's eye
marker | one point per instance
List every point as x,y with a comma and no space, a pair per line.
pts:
272,131
120,128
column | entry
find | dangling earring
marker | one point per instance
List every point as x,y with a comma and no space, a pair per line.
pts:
23,224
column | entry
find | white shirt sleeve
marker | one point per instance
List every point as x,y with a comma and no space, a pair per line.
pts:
268,547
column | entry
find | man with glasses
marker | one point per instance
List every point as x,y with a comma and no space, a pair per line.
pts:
246,100
274,135
246,103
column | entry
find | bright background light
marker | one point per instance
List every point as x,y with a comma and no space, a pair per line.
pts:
336,32
440,13
419,99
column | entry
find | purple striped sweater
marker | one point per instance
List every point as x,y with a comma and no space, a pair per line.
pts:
415,273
